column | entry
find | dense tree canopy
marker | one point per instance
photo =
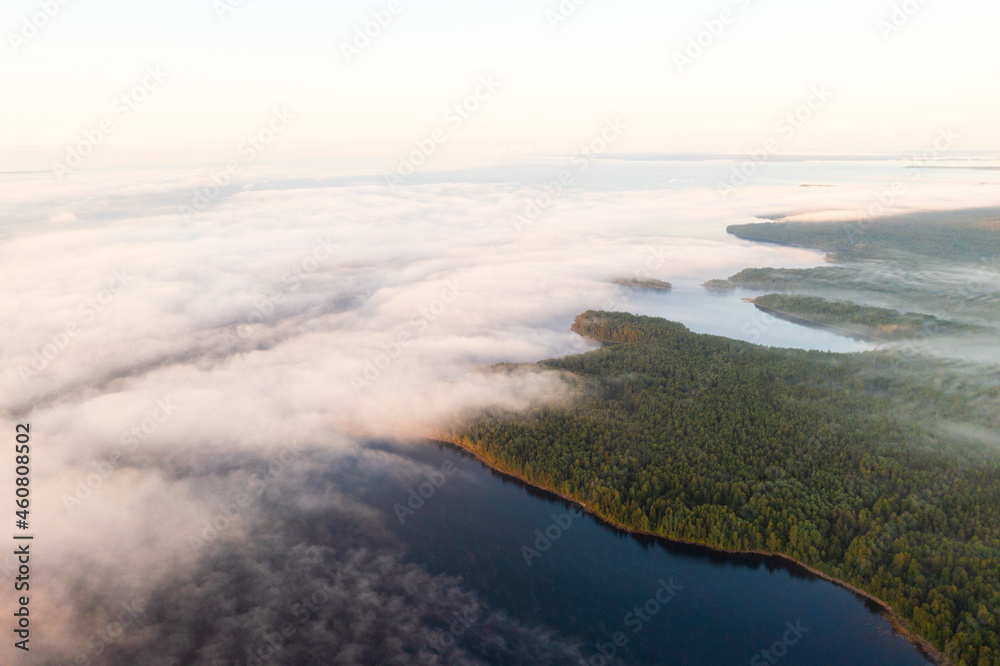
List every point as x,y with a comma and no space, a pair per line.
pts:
742,447
963,236
881,323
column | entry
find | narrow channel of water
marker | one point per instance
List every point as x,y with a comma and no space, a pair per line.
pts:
728,315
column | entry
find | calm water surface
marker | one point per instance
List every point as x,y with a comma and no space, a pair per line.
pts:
726,314
591,579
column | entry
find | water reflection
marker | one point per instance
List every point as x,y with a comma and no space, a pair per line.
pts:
728,315
587,582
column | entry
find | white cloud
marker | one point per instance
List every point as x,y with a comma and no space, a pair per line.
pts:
256,319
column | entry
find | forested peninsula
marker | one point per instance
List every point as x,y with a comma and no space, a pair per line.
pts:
746,448
848,318
962,236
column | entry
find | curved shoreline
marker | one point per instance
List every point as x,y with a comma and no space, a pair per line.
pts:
899,626
812,323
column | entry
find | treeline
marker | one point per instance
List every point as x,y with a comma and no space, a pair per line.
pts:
740,447
881,323
960,236
787,279
644,283
974,300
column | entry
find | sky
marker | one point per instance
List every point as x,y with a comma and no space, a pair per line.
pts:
895,73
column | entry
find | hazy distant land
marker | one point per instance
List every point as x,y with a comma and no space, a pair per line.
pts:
644,283
966,236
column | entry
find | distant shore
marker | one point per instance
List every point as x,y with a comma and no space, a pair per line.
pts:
898,625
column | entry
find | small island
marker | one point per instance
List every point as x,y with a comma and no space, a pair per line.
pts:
644,283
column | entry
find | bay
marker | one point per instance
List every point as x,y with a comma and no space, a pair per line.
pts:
523,551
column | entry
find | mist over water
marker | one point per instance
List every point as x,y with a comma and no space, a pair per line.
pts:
729,315
170,364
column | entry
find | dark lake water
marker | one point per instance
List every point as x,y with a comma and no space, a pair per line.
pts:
667,603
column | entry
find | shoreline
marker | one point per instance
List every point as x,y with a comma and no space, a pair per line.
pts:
810,323
899,626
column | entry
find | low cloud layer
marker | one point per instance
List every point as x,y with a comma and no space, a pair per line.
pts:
299,572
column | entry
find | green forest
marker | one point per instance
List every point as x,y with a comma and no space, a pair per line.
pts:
966,236
741,447
968,297
880,323
790,278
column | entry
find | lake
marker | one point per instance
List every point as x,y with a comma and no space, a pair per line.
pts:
522,551
728,315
